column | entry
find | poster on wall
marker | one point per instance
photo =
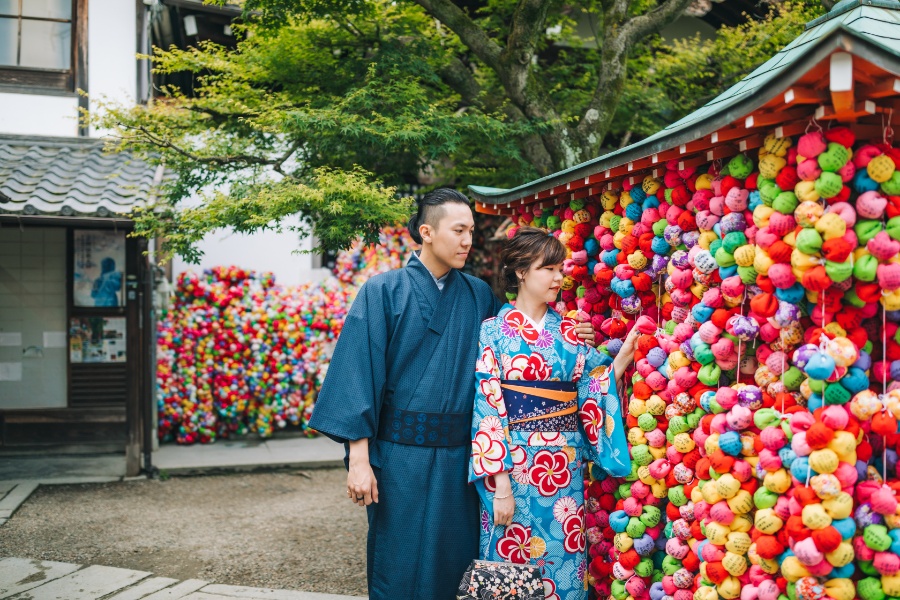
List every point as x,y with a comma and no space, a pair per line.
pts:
99,262
97,340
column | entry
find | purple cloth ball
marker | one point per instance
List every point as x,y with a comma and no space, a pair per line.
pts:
680,259
750,397
631,305
786,314
803,354
690,238
732,222
656,356
613,346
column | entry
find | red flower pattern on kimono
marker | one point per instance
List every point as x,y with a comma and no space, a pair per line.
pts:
515,545
519,323
550,590
567,329
573,529
592,420
487,454
493,393
537,368
488,362
550,472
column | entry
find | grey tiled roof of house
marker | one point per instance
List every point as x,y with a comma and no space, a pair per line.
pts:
71,176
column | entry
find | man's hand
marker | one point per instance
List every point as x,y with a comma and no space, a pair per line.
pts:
362,487
585,332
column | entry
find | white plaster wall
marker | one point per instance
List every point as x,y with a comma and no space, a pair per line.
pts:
112,46
112,73
266,251
29,114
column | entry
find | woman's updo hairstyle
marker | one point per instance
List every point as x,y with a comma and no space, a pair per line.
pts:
528,245
431,209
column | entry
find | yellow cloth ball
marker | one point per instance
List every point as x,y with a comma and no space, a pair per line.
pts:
650,185
767,521
568,226
622,542
891,300
769,565
841,556
840,589
655,405
793,569
659,489
843,444
608,200
730,588
761,215
710,494
644,475
717,533
745,255
606,219
839,507
706,593
637,260
831,226
762,262
806,191
823,461
776,145
636,407
683,442
658,452
770,165
881,168
778,481
704,182
568,282
625,199
738,542
626,225
581,216
815,517
741,503
706,238
742,524
891,585
735,564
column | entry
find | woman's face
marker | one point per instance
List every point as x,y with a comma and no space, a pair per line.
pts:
542,282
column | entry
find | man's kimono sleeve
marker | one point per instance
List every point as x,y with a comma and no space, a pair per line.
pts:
350,401
599,413
490,423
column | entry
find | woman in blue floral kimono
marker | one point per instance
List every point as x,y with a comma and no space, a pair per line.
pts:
544,404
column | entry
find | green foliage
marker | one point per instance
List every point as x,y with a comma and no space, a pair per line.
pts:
669,80
327,107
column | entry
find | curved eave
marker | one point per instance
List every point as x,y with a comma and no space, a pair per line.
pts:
595,175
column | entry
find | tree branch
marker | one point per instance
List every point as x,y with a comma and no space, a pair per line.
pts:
459,77
473,36
637,28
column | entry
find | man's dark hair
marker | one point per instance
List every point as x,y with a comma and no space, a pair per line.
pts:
431,209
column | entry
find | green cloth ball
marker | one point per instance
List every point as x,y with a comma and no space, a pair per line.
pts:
678,424
785,203
891,187
792,378
836,394
703,353
740,166
748,275
870,587
809,241
835,157
723,258
644,568
624,491
734,240
650,516
614,222
714,246
816,385
709,374
838,271
876,537
553,223
659,228
893,228
617,589
768,191
853,299
647,422
670,564
635,528
829,185
866,229
764,498
641,456
677,496
865,268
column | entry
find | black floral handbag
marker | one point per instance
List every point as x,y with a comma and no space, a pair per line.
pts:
488,580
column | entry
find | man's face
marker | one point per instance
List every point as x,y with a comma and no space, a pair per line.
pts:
451,239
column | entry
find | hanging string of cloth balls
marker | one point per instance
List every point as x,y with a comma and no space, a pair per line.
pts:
238,353
762,411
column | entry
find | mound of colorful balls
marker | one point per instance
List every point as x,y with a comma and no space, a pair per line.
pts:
762,407
238,353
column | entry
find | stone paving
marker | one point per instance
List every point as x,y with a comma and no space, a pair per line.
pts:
23,579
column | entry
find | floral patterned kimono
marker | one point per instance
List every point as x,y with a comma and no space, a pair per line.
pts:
544,404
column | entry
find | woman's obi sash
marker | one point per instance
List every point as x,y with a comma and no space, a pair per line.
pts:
541,405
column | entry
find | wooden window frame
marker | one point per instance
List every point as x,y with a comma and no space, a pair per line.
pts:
55,82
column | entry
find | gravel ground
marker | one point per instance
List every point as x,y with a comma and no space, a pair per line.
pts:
285,530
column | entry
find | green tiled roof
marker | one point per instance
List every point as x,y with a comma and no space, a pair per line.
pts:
873,25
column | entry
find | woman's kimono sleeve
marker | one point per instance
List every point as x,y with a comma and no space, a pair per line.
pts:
350,401
490,424
599,414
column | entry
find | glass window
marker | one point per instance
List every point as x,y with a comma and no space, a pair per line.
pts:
47,9
45,44
36,34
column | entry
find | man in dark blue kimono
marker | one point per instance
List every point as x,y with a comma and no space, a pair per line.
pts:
399,393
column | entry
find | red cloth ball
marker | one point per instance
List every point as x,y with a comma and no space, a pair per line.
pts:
765,305
819,436
787,178
842,135
768,546
827,539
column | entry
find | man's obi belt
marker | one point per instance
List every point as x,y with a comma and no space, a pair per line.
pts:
541,405
415,428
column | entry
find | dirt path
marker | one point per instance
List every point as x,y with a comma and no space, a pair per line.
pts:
276,530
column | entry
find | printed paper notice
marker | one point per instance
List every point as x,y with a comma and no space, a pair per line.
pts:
10,338
10,371
55,339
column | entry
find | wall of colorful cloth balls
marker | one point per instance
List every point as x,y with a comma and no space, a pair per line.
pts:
762,412
238,353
